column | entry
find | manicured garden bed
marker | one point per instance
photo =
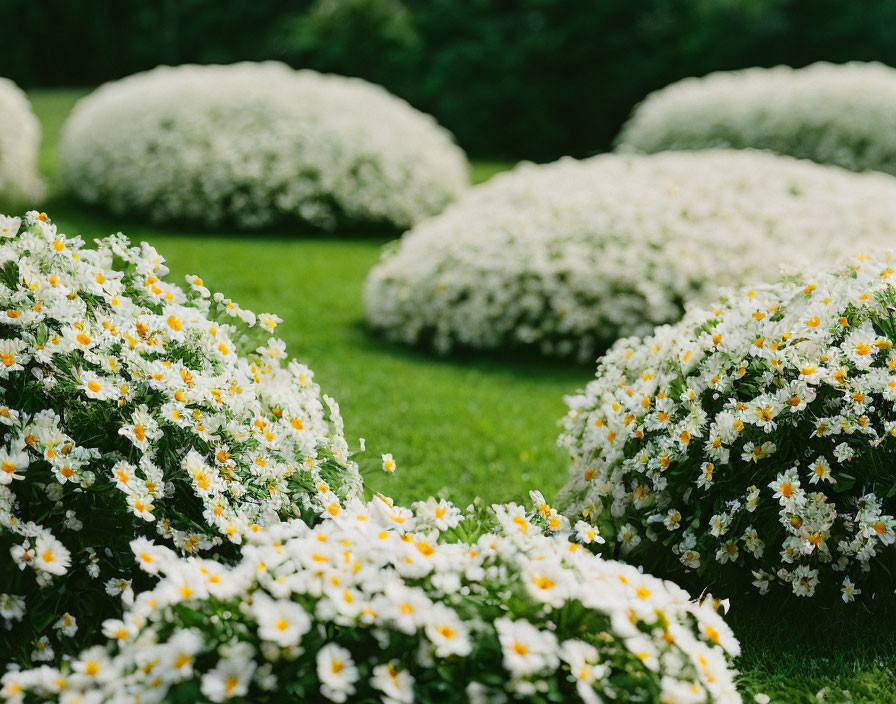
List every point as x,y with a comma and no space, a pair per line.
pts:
475,425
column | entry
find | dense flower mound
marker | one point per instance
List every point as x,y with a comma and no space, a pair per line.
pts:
19,143
835,114
253,144
388,604
754,441
570,256
126,410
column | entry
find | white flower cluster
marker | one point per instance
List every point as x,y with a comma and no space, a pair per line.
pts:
835,114
754,441
127,409
19,143
384,603
570,256
254,144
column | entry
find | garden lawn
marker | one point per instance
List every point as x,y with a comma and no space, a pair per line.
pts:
476,426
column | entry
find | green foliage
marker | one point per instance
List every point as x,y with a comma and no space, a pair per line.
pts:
527,78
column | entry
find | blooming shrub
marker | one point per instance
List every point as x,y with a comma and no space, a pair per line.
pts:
383,603
835,114
126,410
753,441
19,142
253,144
570,256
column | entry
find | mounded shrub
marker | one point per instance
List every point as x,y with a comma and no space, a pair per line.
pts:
752,442
570,256
386,604
131,408
830,113
19,144
254,144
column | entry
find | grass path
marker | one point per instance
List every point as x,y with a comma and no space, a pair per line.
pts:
461,428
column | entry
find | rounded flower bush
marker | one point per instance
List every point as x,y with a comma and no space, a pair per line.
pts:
835,114
19,143
132,408
254,144
752,442
569,257
387,604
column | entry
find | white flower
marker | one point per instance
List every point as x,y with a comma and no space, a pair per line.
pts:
388,463
50,555
447,632
775,108
397,685
9,226
843,452
19,143
264,143
67,625
440,513
133,361
740,376
587,533
526,649
11,462
337,672
849,590
361,584
280,621
229,679
569,257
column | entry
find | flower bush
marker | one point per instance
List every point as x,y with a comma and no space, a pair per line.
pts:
384,603
253,144
127,409
570,256
753,441
19,143
835,114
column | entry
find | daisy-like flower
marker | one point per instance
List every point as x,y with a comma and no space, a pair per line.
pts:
795,377
397,685
50,555
279,621
447,632
9,226
526,650
588,534
97,387
345,585
337,672
137,368
67,625
229,679
821,471
11,463
786,487
849,590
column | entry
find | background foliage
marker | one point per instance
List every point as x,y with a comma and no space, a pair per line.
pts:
513,78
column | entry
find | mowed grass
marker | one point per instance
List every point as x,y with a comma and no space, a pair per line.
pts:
477,426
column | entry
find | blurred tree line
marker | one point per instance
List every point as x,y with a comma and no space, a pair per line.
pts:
511,78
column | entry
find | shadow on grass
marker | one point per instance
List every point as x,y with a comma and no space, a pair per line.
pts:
519,360
66,209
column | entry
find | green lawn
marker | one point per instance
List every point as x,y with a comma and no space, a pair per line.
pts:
476,426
